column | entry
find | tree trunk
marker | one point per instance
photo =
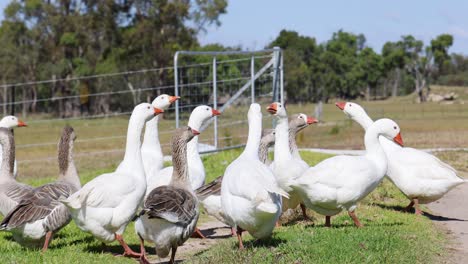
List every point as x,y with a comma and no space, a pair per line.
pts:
384,92
368,95
5,99
395,84
25,104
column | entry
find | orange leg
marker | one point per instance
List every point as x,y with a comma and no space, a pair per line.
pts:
416,207
128,252
239,237
47,241
143,259
328,221
198,234
233,231
355,219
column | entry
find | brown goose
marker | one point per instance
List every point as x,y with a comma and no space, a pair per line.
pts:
170,212
39,215
11,191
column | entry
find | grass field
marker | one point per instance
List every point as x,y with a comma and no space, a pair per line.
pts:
389,236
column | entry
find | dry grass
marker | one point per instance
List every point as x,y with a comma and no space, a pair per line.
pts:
427,125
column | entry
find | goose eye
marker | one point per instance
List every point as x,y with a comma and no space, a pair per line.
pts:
350,105
394,127
207,109
148,107
13,118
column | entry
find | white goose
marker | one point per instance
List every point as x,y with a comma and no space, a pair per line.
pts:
11,191
170,212
11,122
210,193
106,204
255,206
338,183
422,177
286,166
39,215
196,169
151,151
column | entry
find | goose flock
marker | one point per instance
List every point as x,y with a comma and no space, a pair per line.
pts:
250,196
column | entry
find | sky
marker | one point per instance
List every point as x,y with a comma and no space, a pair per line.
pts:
252,24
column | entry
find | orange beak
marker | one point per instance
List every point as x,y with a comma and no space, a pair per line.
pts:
158,111
341,105
272,108
215,112
398,139
311,120
173,99
21,123
195,132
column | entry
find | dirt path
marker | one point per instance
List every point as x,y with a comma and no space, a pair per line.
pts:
451,212
214,232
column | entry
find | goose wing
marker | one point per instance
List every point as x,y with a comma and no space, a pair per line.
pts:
42,203
211,188
175,205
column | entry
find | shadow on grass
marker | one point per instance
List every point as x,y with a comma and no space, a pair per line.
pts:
412,211
442,218
267,242
211,234
351,225
115,250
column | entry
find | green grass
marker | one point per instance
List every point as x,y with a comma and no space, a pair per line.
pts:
388,236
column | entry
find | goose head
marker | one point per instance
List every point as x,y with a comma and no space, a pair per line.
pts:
185,134
147,111
268,137
11,122
389,129
301,121
352,110
255,111
277,109
200,115
163,101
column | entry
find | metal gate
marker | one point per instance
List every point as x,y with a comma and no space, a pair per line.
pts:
222,79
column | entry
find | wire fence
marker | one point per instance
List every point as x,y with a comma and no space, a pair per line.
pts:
98,107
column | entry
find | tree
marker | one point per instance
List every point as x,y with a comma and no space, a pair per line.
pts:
394,59
371,68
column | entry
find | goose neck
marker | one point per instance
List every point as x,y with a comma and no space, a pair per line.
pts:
151,138
180,176
67,169
263,150
132,159
282,150
292,142
364,120
374,150
254,136
8,159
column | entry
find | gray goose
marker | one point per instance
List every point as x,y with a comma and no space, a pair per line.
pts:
170,213
39,215
11,191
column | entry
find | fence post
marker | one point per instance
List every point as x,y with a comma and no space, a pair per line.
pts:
252,78
12,109
176,88
215,103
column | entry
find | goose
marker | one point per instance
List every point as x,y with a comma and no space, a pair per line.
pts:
256,206
11,191
106,204
170,212
11,122
151,152
420,176
340,182
39,215
287,166
196,170
210,193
